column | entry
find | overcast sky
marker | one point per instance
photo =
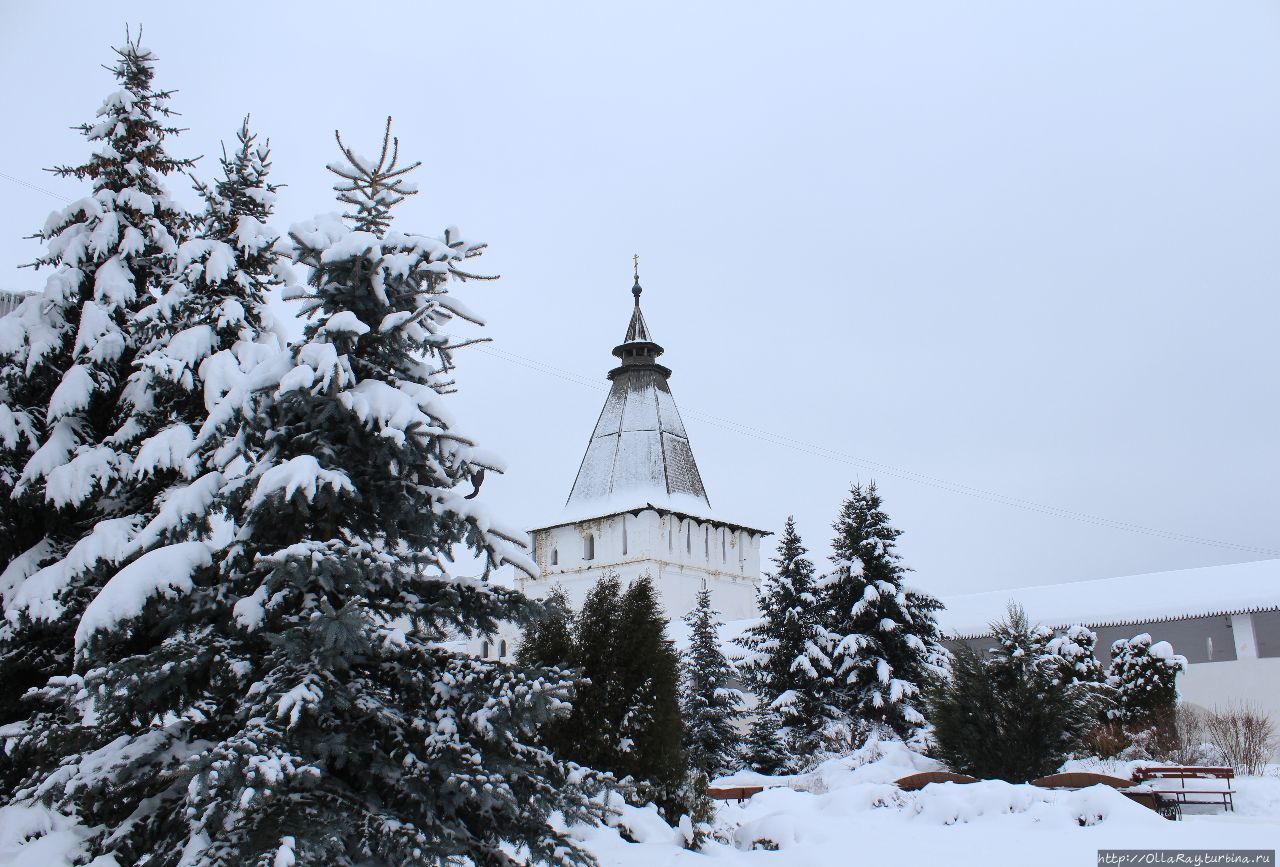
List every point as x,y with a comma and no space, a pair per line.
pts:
980,252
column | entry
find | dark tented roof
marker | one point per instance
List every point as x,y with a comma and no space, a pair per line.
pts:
639,444
639,450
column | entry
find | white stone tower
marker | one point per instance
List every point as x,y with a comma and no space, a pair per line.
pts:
638,504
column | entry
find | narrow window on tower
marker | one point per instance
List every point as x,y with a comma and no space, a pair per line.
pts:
502,649
589,547
484,650
555,556
688,538
624,535
671,534
724,546
706,542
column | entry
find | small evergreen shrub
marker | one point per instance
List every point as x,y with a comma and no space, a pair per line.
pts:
1009,714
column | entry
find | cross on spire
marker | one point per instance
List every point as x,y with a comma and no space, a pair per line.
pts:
635,289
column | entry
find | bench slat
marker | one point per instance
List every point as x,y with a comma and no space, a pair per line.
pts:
736,793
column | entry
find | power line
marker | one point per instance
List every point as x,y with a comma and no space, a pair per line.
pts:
889,469
23,183
842,457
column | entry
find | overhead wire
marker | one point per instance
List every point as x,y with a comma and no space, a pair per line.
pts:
836,455
31,186
827,453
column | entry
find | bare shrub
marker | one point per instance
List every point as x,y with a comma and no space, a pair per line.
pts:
1106,741
1177,736
1182,738
1245,735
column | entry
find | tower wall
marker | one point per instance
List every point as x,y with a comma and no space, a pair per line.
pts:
681,555
639,475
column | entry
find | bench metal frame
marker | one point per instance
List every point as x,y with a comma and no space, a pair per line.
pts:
1183,795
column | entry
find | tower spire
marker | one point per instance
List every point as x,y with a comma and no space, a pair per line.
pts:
639,449
637,330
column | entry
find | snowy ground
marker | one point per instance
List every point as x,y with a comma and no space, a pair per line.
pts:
849,811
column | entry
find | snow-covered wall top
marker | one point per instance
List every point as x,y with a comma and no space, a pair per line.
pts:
1234,589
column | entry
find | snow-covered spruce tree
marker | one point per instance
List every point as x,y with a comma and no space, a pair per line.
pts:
785,662
765,750
1077,650
1019,643
1077,661
1009,714
548,640
881,635
203,331
68,439
198,344
333,722
548,643
1144,676
710,706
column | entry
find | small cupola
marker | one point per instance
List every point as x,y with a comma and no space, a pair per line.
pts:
638,348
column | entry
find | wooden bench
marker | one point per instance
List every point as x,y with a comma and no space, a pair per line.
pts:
1080,780
733,793
1181,793
1146,796
916,782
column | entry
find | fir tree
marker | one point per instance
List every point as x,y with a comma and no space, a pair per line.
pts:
74,490
1020,645
318,714
590,735
765,750
785,662
1009,715
1077,650
548,643
881,636
709,705
648,681
199,344
1144,676
222,277
549,639
970,719
626,714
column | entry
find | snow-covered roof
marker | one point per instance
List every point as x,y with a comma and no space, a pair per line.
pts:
633,501
1238,588
639,452
10,299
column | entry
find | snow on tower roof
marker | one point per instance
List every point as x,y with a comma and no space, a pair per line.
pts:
639,452
1238,588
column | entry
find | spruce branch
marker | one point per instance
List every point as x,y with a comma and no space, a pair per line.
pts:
373,189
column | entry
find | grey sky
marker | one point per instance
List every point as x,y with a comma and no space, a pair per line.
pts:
1030,248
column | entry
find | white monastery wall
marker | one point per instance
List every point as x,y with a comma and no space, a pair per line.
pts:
1255,682
1252,678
